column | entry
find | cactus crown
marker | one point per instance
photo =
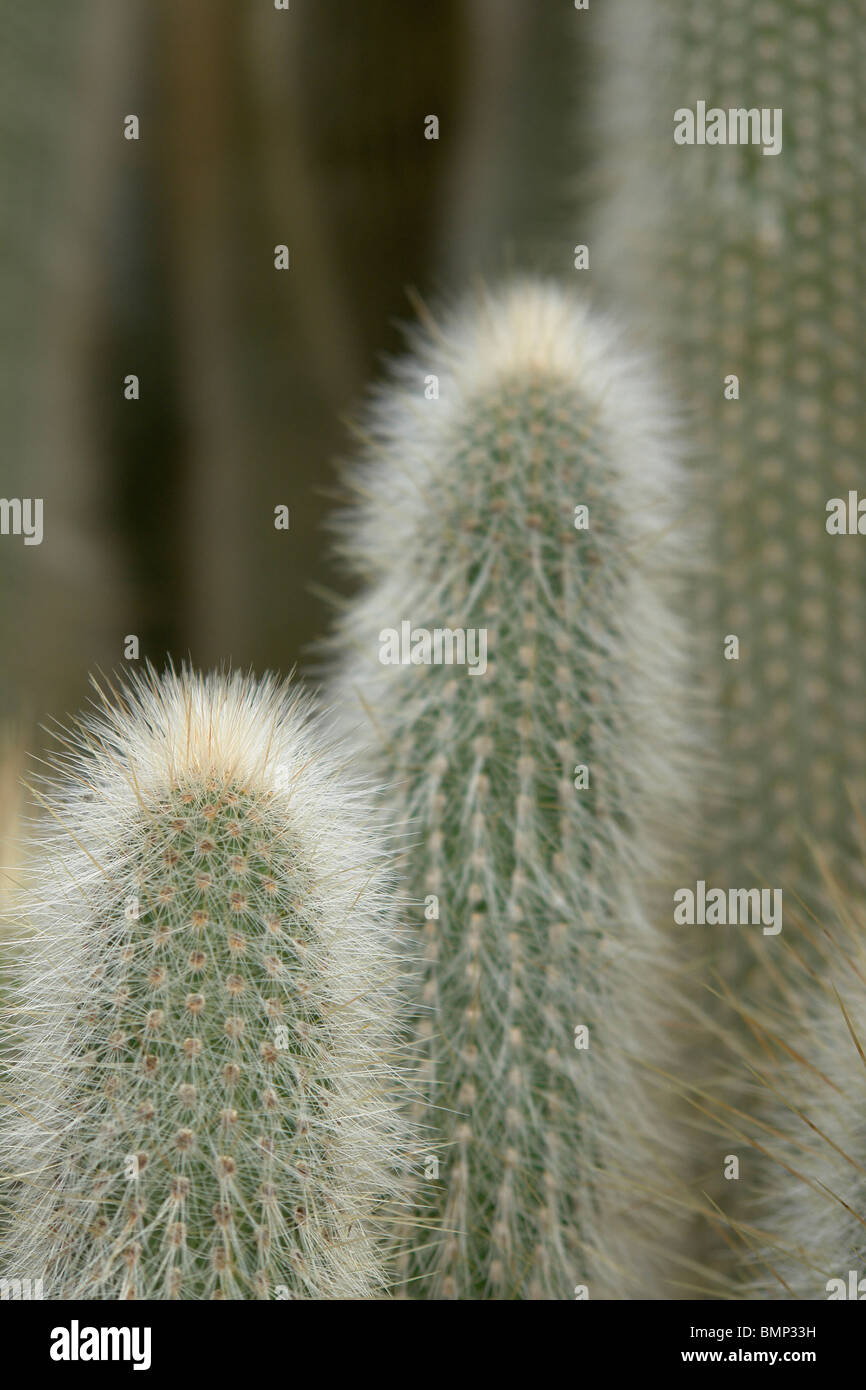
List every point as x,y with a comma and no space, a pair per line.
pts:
204,1090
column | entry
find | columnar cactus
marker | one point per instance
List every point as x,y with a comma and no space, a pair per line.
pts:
520,487
804,1212
202,1100
744,263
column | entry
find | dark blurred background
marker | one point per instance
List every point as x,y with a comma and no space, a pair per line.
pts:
155,257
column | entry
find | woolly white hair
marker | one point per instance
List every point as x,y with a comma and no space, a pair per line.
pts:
532,328
802,1068
218,807
464,517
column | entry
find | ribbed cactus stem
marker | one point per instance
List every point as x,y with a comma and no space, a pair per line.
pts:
539,791
743,264
202,1101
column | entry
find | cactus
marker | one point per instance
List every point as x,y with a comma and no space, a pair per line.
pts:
813,1199
203,1097
743,264
787,1100
737,263
537,876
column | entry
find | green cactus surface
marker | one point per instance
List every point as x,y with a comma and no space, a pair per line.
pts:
538,791
202,1101
741,263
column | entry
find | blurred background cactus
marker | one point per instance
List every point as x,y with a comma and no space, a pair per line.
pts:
531,505
788,1099
745,264
201,1089
741,270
